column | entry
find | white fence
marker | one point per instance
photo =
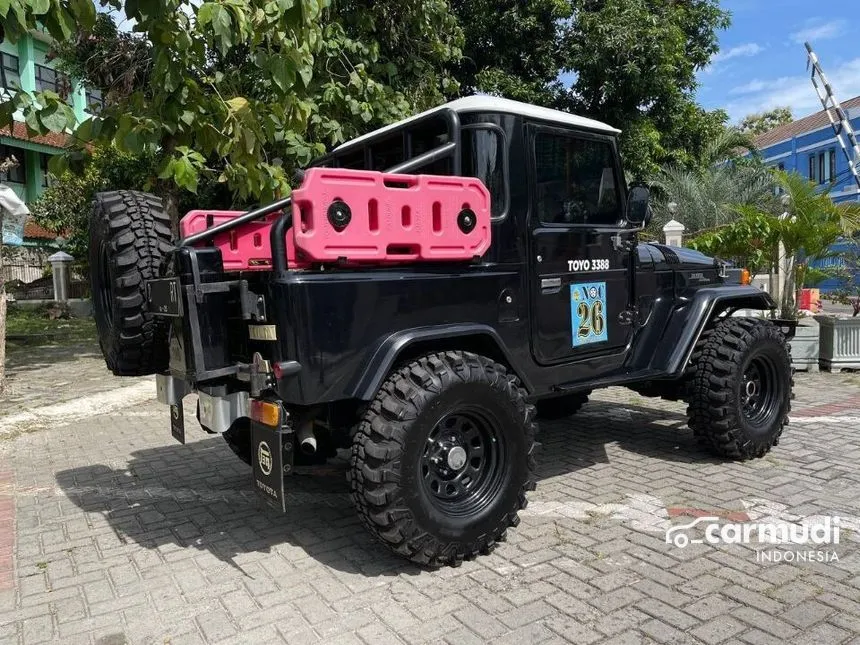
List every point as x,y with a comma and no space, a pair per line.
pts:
21,271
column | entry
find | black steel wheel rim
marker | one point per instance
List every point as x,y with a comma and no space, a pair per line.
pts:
760,391
105,290
462,465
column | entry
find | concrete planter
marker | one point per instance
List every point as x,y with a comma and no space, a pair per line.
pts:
804,346
840,343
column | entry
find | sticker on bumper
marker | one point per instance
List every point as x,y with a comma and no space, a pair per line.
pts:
588,313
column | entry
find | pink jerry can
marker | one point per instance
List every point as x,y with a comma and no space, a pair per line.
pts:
361,216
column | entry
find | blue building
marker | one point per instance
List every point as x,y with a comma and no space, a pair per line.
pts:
809,146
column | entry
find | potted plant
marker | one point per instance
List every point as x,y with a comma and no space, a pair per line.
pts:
840,335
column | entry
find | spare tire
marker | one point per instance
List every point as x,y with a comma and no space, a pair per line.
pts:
129,236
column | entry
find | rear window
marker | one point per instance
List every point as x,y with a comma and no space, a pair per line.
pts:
484,158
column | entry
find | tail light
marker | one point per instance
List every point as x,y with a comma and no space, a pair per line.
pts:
267,413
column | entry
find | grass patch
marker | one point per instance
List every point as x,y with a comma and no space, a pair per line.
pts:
31,327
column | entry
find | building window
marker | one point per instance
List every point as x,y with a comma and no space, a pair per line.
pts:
16,174
10,76
576,180
832,165
95,101
47,178
781,166
821,171
812,168
49,79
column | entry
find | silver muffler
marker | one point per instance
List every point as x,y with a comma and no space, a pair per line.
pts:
306,437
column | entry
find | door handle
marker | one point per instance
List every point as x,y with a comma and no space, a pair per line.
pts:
547,284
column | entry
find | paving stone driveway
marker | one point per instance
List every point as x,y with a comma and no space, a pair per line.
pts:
121,535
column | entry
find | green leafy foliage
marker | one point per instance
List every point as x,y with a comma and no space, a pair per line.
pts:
635,63
243,91
512,48
65,206
749,241
711,197
189,103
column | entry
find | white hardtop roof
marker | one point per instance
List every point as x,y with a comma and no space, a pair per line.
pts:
484,103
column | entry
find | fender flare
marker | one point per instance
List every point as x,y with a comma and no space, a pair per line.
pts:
688,322
471,337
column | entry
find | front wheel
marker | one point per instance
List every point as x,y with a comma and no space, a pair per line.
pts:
740,389
443,458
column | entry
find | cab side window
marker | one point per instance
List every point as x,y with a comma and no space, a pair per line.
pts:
576,180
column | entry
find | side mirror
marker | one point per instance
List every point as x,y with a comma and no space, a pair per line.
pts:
638,209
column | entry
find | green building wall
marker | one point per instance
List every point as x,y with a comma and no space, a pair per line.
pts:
30,52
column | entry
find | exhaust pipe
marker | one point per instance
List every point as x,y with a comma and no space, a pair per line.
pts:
306,438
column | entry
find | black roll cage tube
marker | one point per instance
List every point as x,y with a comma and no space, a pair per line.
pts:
278,233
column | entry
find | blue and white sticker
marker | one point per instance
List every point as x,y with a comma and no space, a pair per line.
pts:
588,313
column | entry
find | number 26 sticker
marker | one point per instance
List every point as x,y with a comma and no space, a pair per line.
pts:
588,313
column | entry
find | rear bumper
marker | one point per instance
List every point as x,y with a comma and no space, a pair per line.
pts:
217,411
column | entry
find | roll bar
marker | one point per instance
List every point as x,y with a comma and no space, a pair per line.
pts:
450,148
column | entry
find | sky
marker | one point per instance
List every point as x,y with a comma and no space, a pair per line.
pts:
762,60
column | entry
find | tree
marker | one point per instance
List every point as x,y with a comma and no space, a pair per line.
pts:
755,124
512,48
635,63
65,206
749,241
192,112
805,221
243,108
812,223
241,91
710,196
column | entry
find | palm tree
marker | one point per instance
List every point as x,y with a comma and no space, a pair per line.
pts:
706,199
810,225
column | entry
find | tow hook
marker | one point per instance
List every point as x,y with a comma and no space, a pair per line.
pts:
259,374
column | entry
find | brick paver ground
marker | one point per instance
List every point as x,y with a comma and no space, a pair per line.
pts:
122,535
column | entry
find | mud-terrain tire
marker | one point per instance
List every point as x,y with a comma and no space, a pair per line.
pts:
561,407
740,387
443,458
129,237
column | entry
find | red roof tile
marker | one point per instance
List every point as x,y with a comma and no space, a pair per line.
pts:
800,126
19,131
33,231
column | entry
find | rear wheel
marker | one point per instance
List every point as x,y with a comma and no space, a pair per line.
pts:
443,458
740,389
129,236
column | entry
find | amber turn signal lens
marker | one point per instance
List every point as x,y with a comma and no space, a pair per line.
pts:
266,413
746,278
